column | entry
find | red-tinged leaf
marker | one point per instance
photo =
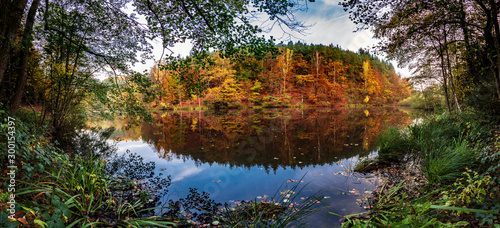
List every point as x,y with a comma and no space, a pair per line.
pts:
22,220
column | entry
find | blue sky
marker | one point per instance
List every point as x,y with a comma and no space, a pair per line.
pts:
329,24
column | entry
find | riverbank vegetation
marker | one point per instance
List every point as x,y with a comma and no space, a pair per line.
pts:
56,188
453,161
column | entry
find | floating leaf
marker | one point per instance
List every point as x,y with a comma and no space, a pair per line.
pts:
354,192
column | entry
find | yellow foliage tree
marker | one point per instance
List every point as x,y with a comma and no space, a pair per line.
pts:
285,64
372,84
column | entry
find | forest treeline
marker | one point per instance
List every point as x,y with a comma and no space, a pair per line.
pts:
299,74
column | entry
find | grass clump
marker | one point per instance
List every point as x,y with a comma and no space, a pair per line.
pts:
395,143
288,206
440,142
445,164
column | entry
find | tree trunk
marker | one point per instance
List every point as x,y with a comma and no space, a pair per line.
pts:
496,26
11,13
450,73
317,73
445,84
492,42
25,55
466,33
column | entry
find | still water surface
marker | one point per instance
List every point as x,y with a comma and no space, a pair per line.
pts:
241,155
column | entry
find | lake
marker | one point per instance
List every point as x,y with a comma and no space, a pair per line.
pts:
247,154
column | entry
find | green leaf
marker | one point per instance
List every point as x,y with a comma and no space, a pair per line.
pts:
40,223
463,209
3,217
12,224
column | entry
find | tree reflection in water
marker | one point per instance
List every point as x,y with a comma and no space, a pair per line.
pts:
292,138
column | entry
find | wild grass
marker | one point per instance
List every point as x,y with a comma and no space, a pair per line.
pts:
395,143
393,209
440,142
444,164
288,206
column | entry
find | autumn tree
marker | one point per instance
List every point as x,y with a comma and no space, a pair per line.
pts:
303,76
285,62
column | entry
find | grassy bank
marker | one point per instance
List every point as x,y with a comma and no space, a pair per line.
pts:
443,172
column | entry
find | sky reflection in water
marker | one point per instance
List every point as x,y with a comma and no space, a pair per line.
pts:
243,155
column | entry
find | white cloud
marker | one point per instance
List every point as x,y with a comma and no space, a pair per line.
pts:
184,171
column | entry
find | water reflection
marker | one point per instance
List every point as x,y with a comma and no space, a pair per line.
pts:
267,138
239,155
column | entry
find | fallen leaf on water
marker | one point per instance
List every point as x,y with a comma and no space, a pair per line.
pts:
354,192
291,181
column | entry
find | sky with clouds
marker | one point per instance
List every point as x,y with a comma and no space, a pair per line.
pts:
329,24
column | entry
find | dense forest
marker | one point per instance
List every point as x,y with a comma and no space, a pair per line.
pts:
298,74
